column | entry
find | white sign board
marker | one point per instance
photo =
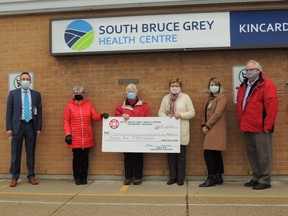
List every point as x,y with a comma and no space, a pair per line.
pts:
140,33
141,134
14,80
238,78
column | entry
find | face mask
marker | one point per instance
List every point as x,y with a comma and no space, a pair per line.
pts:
25,84
175,90
214,89
78,97
250,74
131,95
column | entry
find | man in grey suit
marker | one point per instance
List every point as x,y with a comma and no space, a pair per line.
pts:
23,121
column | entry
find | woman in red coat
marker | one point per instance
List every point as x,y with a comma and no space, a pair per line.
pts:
78,132
133,107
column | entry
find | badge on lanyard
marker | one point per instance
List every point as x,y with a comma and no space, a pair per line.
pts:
209,105
34,110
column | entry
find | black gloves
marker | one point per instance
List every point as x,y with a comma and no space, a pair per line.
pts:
68,139
105,115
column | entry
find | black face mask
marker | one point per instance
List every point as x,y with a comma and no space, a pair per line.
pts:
78,97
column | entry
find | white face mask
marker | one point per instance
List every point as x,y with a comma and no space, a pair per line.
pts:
214,89
175,90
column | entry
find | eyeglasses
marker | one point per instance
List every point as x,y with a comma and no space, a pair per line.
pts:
251,69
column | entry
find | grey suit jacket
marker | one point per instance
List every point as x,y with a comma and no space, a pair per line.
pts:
14,111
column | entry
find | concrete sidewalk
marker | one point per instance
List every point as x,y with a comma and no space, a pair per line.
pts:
107,197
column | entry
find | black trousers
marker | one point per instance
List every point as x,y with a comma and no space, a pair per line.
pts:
133,165
27,133
177,164
214,162
80,163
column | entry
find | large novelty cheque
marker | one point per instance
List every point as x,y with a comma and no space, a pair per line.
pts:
141,134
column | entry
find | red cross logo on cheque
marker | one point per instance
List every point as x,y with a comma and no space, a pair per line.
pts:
114,124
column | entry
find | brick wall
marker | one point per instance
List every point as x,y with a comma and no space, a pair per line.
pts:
25,47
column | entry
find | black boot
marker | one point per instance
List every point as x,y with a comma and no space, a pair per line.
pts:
218,179
210,181
84,181
78,181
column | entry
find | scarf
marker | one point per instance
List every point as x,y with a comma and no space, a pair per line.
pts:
172,105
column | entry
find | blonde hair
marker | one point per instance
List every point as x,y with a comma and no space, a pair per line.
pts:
175,80
217,82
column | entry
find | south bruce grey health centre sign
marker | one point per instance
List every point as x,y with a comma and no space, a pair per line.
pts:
166,32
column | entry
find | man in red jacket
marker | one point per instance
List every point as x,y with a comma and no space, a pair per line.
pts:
257,109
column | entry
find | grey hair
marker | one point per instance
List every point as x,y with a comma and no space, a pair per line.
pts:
132,86
78,89
256,64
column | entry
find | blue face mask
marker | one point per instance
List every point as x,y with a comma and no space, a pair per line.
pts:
250,74
25,84
214,89
131,95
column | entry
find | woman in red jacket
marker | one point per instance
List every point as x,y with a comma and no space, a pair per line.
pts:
133,107
78,132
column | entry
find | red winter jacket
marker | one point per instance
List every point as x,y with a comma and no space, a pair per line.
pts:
261,106
140,109
77,122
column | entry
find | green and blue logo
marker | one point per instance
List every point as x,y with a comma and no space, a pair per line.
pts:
79,35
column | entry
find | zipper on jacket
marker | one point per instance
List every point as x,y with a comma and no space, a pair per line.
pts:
249,97
258,86
82,134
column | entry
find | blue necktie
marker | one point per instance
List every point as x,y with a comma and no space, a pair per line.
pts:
27,115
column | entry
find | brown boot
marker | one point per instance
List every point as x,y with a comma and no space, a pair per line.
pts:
13,183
